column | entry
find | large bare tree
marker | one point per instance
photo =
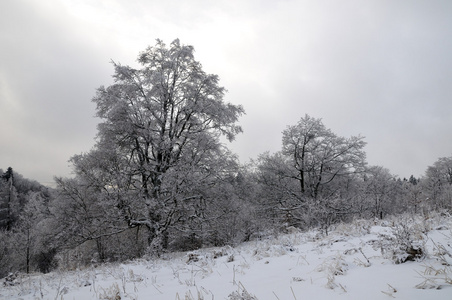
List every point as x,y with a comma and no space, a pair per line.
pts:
160,130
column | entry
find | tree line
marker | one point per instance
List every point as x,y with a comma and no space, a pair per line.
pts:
161,179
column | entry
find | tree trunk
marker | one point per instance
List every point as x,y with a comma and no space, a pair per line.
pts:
28,252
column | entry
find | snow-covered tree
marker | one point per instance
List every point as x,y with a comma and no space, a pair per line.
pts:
312,175
381,189
318,156
8,200
158,139
438,183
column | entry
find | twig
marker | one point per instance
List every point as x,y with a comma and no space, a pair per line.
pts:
157,288
58,289
393,288
387,293
361,250
293,293
233,275
304,258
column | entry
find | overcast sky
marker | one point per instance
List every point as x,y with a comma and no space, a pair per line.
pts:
380,69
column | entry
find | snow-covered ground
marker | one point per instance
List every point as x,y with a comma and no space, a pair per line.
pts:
355,261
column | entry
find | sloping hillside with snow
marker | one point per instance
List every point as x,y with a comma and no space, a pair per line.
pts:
402,258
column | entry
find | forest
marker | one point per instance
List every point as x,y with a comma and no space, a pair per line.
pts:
161,179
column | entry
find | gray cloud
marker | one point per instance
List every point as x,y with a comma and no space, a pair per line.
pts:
382,69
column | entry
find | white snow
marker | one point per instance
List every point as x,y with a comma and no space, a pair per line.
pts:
355,261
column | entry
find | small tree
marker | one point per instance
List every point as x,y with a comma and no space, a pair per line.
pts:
27,244
413,194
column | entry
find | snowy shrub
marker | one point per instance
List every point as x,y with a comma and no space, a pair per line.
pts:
216,253
357,227
404,242
271,250
334,265
409,243
110,293
192,257
10,280
219,253
313,236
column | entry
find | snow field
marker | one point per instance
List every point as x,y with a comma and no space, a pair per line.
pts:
355,261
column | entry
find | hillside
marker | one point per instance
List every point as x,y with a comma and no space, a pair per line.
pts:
361,260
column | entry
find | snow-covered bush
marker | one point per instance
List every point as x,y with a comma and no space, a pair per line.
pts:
409,243
403,241
357,227
334,265
110,293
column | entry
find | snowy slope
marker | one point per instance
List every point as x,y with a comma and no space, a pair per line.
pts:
355,261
